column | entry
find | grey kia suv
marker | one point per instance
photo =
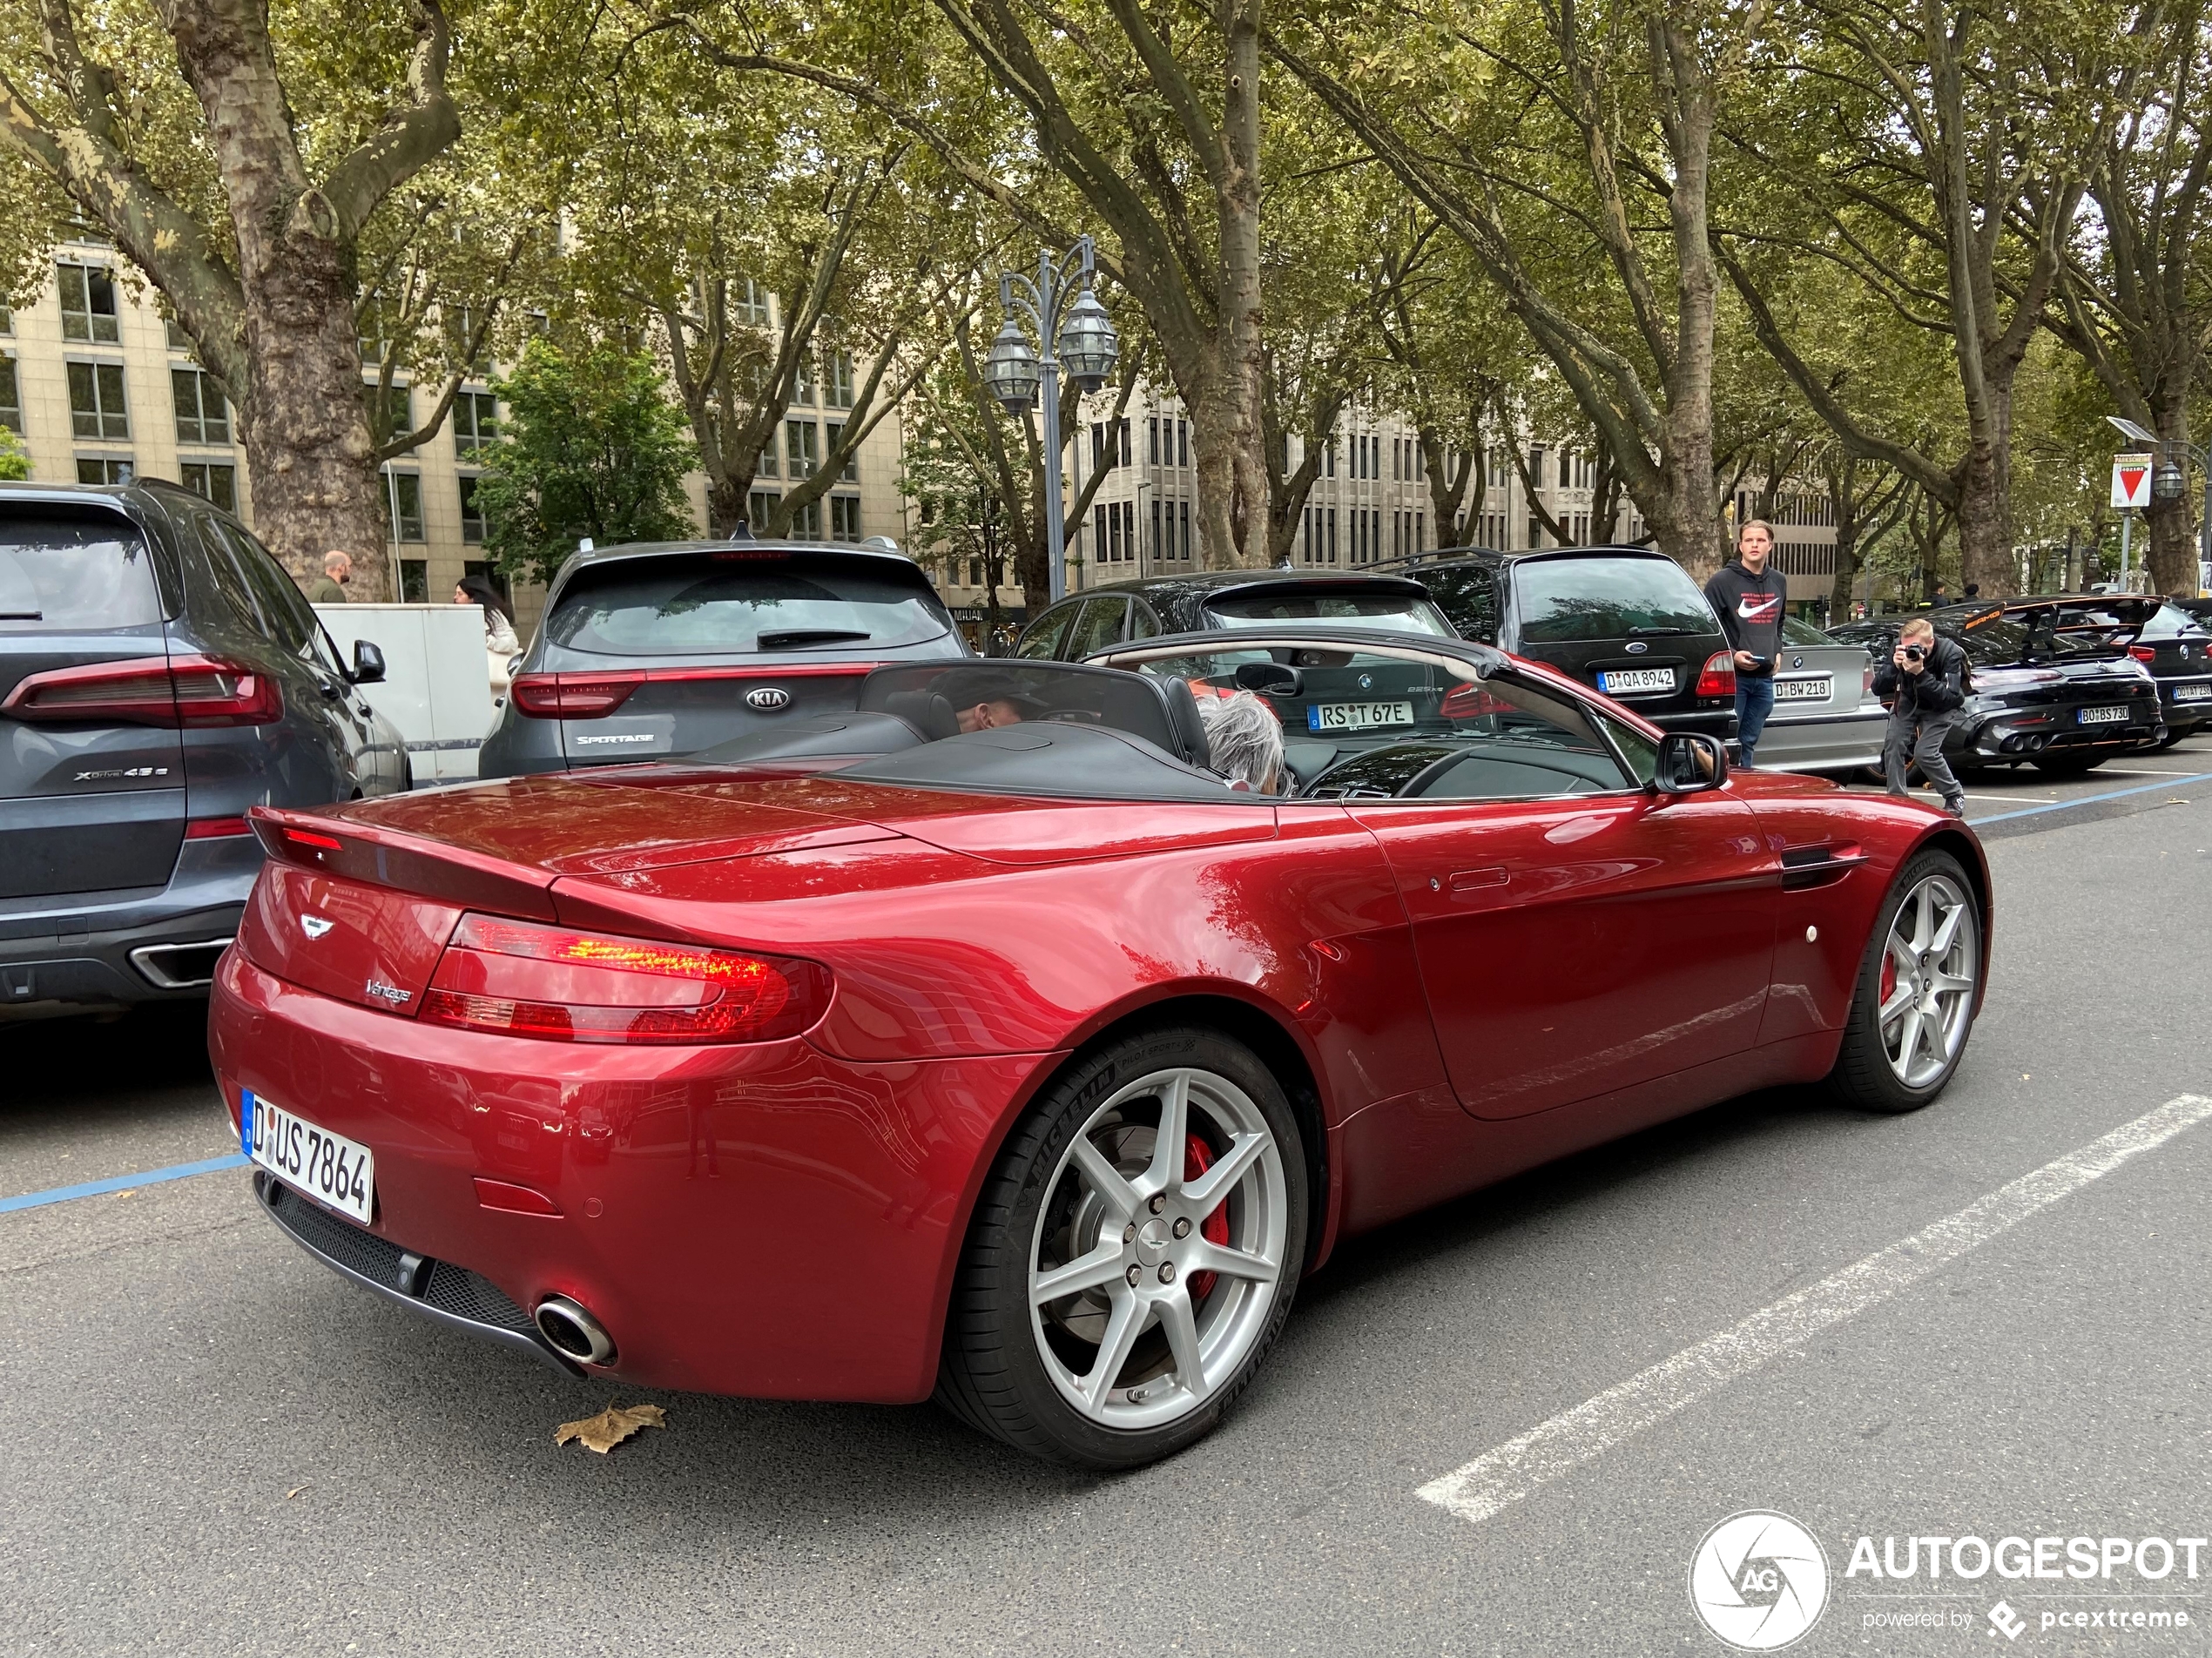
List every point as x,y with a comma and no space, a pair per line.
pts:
160,674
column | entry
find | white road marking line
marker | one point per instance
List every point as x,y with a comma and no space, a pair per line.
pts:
1502,1477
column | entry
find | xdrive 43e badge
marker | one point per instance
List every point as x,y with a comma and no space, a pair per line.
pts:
767,698
1759,1581
315,926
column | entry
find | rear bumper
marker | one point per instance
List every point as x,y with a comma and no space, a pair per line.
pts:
2005,735
115,949
1713,722
757,1219
2183,716
1824,742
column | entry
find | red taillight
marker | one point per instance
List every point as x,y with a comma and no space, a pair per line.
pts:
1468,702
2144,652
216,828
523,979
150,691
1718,678
572,696
309,839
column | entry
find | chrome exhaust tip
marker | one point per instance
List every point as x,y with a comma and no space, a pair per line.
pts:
573,1330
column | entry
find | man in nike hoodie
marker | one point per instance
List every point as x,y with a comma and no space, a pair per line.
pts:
1747,597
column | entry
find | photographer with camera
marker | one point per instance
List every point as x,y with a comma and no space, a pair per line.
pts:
1748,597
1926,675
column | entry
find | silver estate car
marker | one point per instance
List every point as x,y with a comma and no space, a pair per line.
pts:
1827,716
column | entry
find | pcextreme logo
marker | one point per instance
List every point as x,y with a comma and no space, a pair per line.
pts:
1759,1580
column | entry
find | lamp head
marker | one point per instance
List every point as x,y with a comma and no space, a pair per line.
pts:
1011,370
2168,482
1089,345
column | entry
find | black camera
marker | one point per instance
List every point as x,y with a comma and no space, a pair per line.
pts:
1918,652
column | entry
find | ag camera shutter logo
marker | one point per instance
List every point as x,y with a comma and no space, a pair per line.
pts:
1759,1580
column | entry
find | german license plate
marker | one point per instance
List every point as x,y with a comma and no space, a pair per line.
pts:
327,1167
2102,716
1615,680
1812,688
1357,717
2192,693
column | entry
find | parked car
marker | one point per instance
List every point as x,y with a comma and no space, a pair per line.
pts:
1029,1065
2165,639
160,674
1100,617
2061,702
1827,716
656,649
1626,620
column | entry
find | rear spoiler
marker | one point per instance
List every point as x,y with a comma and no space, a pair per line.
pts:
369,852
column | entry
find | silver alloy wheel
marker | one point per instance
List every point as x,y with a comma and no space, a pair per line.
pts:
1119,1246
1929,975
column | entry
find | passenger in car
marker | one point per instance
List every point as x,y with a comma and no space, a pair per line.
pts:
1246,739
984,698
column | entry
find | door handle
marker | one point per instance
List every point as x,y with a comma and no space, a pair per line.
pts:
1469,880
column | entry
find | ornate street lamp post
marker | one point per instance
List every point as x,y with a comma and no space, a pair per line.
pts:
2169,481
1074,331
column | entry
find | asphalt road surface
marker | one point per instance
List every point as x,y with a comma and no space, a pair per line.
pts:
211,1445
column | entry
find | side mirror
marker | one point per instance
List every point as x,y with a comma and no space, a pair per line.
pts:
1689,763
368,663
1270,679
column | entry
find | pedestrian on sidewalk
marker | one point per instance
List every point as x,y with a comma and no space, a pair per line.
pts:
329,587
1747,597
1926,674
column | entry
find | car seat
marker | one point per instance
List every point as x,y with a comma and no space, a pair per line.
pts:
1183,720
925,710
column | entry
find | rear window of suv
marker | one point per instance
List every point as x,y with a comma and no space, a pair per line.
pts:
738,604
75,570
1405,612
1570,600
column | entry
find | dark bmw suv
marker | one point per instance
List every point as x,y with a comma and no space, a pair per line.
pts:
160,674
1625,619
1102,618
655,649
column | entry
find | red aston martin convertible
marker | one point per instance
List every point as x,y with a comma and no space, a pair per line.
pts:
984,1041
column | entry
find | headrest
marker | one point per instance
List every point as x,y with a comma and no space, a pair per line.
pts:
1182,717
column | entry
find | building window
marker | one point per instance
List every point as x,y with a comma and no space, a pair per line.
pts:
1126,454
7,320
1186,529
838,370
766,467
414,581
211,480
10,397
404,503
851,470
476,424
1155,531
395,417
96,406
975,572
1332,534
806,522
1329,459
472,516
801,441
844,517
88,303
760,506
101,470
802,386
1152,430
752,303
202,416
1102,458
1183,443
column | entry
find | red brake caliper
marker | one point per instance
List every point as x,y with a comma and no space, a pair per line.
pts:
1196,1159
1889,978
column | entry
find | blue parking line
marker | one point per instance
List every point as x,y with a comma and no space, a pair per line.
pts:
2091,800
120,1183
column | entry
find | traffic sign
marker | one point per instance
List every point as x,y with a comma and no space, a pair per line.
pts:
2131,481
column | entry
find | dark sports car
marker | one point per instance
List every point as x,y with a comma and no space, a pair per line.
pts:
982,1041
2062,698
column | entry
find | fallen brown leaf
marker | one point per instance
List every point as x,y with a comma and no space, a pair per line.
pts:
611,1427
